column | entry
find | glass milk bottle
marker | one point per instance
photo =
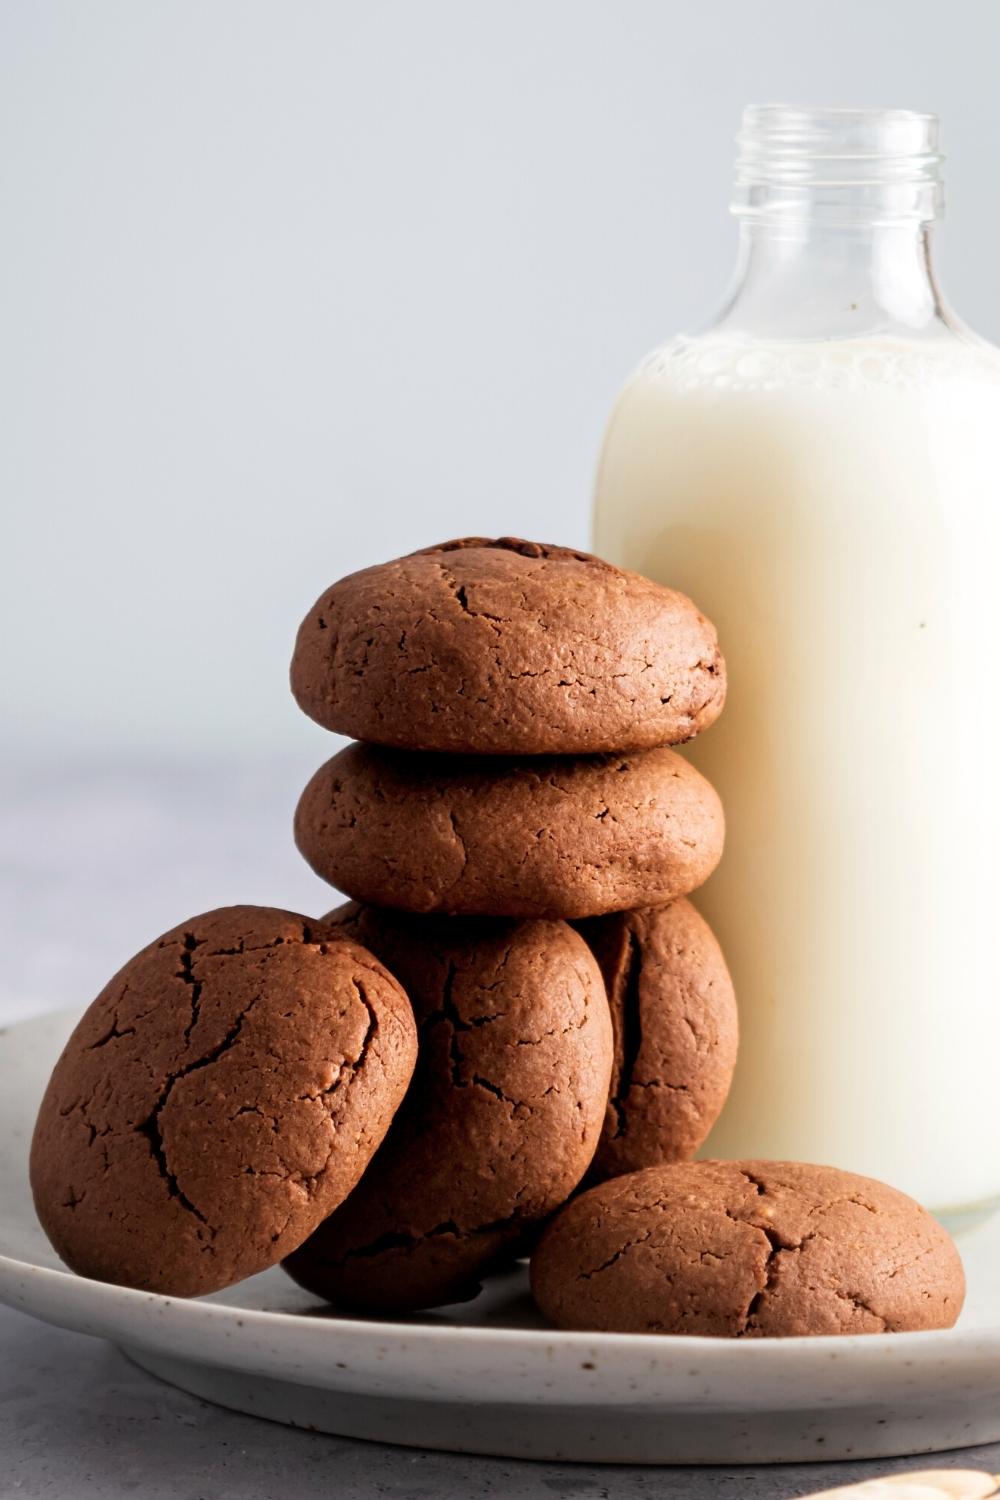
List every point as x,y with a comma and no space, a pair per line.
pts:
820,471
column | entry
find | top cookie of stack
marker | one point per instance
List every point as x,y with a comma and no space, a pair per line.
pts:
516,702
507,647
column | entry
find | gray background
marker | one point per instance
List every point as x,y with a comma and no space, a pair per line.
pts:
290,287
287,288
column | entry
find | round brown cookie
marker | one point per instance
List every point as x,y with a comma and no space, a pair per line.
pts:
566,836
673,1012
218,1099
507,647
501,1120
750,1249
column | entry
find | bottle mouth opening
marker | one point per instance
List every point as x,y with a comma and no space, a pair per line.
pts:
790,154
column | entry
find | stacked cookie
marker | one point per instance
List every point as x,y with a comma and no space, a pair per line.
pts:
513,707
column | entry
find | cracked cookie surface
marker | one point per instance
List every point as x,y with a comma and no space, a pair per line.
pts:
218,1099
748,1249
507,647
501,1119
674,1017
550,836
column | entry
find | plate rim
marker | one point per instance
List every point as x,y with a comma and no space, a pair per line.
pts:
86,1293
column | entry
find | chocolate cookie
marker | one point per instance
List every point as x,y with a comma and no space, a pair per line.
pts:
501,1120
751,1249
218,1099
547,837
507,648
673,1012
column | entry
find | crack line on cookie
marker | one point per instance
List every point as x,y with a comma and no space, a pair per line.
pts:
345,1076
186,973
859,1303
150,1127
112,1034
628,1245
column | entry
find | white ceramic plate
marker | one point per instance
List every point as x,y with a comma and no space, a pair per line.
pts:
487,1377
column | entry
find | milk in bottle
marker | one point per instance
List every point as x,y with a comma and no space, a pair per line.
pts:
821,473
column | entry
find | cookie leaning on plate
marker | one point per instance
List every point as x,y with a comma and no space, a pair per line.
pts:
751,1249
545,836
501,1119
507,647
673,1011
218,1099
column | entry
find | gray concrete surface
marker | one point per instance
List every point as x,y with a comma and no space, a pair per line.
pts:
78,1422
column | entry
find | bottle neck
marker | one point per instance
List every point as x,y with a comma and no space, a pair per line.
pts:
836,209
807,279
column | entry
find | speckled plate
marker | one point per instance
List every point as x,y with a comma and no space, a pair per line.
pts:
487,1377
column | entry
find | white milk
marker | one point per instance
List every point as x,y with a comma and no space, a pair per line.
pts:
834,507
